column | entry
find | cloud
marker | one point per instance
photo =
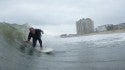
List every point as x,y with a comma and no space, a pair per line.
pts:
58,13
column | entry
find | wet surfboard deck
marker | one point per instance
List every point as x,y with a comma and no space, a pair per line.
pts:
45,50
37,48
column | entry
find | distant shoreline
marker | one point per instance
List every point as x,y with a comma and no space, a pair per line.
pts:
109,32
99,33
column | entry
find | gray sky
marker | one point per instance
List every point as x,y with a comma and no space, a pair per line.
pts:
59,16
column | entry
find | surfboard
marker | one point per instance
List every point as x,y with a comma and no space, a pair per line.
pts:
37,48
45,50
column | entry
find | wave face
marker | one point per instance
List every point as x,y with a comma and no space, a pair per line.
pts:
12,34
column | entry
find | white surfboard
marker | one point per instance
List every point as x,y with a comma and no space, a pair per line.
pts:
45,50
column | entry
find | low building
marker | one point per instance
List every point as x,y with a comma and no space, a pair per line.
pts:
110,27
101,28
121,26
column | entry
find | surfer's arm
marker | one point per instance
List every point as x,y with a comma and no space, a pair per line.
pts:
41,31
29,37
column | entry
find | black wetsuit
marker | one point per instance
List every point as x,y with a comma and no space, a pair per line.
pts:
36,36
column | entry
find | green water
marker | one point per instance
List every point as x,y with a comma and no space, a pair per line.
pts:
67,56
13,33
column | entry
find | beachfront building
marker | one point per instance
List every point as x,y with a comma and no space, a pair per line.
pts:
104,28
110,27
84,26
101,28
121,26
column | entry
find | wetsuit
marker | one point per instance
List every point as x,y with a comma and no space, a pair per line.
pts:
36,36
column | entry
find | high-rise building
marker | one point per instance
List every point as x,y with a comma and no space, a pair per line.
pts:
84,26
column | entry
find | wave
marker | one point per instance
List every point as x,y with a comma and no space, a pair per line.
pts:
12,34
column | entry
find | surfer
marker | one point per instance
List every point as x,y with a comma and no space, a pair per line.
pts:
35,34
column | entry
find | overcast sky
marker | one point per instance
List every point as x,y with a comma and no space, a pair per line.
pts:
59,16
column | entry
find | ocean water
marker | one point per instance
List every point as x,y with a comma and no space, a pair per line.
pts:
96,52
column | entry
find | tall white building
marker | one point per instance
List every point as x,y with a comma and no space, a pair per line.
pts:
84,26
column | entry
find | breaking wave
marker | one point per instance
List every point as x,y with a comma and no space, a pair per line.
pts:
12,34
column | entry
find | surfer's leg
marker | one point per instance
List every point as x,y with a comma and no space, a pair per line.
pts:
34,42
40,42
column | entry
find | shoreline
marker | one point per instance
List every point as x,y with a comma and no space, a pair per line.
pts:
108,32
99,33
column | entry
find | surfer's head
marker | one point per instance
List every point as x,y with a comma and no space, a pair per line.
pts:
32,30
